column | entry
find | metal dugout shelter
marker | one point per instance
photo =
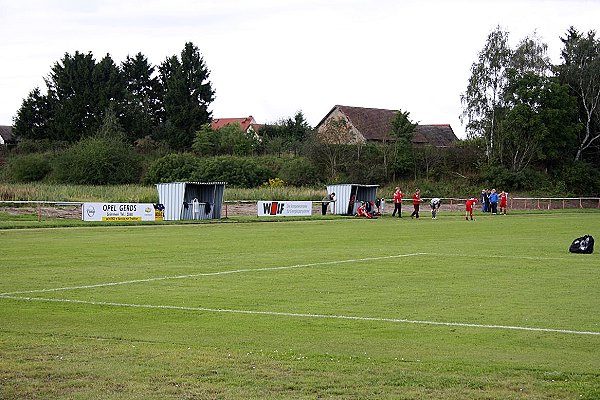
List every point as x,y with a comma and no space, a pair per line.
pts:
191,200
348,196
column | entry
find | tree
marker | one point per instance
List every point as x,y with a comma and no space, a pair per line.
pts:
108,88
227,140
72,92
581,71
78,93
187,94
34,117
484,91
286,135
331,138
403,131
539,122
142,108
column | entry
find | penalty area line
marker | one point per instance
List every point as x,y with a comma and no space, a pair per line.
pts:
307,315
201,274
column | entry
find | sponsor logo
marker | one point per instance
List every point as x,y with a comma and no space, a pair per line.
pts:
273,208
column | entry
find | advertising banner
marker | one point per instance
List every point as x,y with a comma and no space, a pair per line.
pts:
119,212
284,208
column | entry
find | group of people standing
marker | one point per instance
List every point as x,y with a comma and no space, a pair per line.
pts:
490,199
416,201
490,202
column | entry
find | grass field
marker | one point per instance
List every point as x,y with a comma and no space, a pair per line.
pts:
339,308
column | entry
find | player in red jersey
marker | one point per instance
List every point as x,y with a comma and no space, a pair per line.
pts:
362,211
503,198
469,208
398,195
416,199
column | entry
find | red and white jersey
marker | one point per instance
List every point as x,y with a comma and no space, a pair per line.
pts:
503,197
469,204
416,198
398,197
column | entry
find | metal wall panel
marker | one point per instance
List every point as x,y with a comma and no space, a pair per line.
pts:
344,192
171,196
179,199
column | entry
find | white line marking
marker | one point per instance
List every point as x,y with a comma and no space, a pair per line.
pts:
236,271
497,256
306,315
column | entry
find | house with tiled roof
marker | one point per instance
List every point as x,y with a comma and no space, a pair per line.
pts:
248,124
6,135
374,125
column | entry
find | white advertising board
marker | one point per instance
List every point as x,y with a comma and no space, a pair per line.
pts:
118,212
284,208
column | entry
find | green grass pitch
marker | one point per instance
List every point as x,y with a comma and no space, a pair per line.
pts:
341,308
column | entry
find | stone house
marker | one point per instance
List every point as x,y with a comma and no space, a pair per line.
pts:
374,125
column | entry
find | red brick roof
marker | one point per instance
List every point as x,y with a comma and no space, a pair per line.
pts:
244,122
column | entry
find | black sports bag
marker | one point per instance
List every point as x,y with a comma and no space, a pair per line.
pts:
584,245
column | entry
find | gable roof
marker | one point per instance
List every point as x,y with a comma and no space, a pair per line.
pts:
374,125
441,135
6,135
245,122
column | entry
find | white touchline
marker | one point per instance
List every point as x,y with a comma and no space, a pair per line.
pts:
305,315
496,256
235,271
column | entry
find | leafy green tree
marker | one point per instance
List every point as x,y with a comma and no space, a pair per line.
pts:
234,141
581,71
187,94
485,88
228,140
206,141
539,123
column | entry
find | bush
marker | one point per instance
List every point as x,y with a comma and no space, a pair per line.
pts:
174,167
299,171
244,172
496,176
236,171
28,168
98,161
581,179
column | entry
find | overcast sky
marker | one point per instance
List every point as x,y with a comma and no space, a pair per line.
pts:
271,58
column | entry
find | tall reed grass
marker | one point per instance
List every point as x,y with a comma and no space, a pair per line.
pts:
82,193
140,193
